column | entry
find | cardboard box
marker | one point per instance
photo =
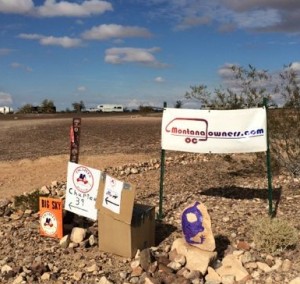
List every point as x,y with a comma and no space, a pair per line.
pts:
131,229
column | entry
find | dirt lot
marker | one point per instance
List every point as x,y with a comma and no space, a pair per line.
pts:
35,151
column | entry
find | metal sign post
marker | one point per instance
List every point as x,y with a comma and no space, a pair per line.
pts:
269,172
74,140
162,173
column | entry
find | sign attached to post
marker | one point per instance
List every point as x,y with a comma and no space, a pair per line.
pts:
51,223
215,131
82,190
112,194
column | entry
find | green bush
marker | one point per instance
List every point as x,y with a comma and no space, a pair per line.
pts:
274,235
28,201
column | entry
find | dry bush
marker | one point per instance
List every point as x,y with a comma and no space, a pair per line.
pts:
274,235
284,129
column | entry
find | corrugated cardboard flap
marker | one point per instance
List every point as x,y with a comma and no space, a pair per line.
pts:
126,204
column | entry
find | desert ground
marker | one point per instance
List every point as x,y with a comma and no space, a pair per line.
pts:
35,150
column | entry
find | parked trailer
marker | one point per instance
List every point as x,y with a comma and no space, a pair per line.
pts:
6,110
110,108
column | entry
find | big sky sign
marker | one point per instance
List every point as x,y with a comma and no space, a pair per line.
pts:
214,131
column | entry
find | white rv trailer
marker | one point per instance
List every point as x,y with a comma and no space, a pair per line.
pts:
6,109
110,108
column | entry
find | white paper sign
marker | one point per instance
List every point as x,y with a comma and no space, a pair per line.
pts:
112,195
214,131
82,190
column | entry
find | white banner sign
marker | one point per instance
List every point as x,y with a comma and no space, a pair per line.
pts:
82,190
214,131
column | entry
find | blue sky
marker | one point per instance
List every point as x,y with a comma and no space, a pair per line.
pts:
137,52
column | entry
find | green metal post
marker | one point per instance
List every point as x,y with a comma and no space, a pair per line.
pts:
268,157
162,173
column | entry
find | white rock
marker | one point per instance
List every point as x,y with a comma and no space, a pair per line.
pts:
64,241
5,269
196,259
264,267
45,276
295,280
174,265
212,276
232,266
228,279
78,235
286,265
77,275
104,280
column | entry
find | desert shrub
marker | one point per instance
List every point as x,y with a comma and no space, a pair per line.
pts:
274,235
284,128
28,201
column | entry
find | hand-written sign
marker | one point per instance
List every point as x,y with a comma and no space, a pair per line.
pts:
82,190
112,194
50,210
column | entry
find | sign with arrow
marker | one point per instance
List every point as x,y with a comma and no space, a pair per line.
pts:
82,190
112,194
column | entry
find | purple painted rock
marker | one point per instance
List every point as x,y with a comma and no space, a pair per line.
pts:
196,227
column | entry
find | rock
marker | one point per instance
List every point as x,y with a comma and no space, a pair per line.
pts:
104,280
78,235
295,281
196,259
5,269
77,275
64,241
243,245
264,267
232,266
92,240
212,276
19,279
44,190
45,276
228,279
92,268
286,265
196,227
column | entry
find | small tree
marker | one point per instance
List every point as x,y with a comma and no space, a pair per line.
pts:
47,106
248,90
27,108
284,123
178,104
78,106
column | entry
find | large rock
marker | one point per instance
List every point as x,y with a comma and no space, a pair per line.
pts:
196,227
196,259
231,265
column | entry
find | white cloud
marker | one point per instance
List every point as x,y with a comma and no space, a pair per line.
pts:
5,98
17,65
159,79
81,89
143,56
104,32
5,51
65,42
53,8
16,6
30,36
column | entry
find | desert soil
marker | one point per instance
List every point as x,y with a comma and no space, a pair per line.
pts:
35,151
